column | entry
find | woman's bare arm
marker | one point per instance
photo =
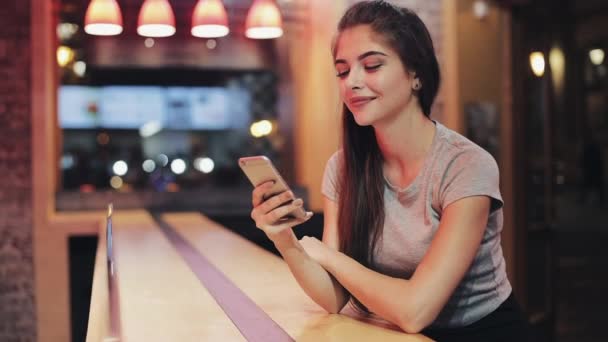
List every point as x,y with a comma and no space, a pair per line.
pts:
317,282
415,303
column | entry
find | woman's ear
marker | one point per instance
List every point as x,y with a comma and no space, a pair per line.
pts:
417,84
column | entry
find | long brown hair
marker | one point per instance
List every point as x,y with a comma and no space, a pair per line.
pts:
361,201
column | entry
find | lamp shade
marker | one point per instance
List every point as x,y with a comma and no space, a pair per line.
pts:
103,18
156,19
264,20
209,19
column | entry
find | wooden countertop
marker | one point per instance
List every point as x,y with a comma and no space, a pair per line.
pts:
161,299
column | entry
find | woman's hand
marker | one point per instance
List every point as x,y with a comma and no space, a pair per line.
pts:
317,250
271,215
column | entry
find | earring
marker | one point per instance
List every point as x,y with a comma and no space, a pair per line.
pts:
417,85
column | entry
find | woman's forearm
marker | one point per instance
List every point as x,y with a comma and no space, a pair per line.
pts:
318,284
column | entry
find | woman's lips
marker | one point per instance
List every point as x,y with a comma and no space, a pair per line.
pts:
359,101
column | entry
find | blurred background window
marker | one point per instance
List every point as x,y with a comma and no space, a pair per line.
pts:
163,137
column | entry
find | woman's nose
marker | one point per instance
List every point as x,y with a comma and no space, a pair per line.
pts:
354,80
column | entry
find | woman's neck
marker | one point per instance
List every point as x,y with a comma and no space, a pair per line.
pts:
404,142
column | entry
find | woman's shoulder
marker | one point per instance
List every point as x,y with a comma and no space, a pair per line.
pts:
457,155
336,159
334,163
457,146
464,169
330,184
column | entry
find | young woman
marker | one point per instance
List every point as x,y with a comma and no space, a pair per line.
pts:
413,211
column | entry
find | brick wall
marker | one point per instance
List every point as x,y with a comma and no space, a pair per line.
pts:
17,312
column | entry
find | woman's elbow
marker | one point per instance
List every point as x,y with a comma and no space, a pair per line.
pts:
334,307
330,308
411,327
336,304
414,323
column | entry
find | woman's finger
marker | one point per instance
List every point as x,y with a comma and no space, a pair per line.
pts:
276,201
280,212
259,192
287,224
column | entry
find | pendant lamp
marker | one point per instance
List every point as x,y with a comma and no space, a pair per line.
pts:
209,19
264,20
103,18
156,19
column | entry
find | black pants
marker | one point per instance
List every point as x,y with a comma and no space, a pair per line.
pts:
506,323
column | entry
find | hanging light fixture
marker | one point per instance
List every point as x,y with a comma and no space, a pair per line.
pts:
481,9
65,55
209,19
156,19
537,62
596,56
103,18
264,20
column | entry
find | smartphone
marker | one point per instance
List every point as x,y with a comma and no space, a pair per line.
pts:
259,169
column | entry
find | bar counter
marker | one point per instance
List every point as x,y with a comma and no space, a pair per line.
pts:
155,294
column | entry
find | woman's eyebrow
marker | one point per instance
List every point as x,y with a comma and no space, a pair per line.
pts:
362,56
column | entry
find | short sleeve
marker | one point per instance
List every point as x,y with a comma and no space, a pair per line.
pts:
473,172
329,186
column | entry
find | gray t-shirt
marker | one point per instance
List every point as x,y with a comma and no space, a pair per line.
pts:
454,168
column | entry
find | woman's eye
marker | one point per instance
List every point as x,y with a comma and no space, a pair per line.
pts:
342,74
373,67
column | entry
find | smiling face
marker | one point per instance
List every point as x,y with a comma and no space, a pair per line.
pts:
374,83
